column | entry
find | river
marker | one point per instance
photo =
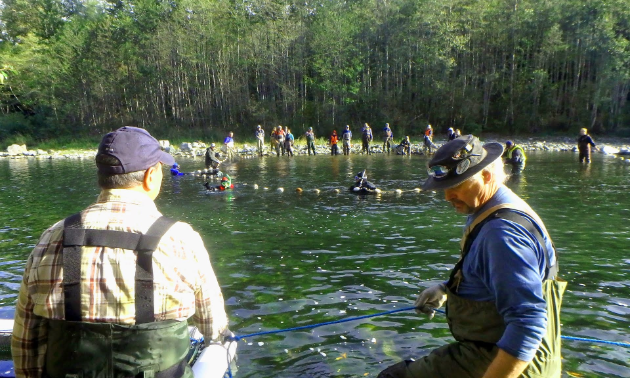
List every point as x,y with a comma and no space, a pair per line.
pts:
285,259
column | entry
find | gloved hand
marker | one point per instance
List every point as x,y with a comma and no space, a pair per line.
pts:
430,299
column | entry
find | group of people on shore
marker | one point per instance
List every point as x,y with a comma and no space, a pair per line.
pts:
117,282
282,140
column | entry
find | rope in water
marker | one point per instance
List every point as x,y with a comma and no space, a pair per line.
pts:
238,338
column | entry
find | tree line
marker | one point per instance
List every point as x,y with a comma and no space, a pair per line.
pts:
203,67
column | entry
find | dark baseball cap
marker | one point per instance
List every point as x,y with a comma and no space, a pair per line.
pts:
135,149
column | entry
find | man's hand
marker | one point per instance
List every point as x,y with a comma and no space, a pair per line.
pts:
430,299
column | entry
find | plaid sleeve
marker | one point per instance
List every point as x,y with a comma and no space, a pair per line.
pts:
29,338
210,316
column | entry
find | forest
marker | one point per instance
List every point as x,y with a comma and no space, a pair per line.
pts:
203,67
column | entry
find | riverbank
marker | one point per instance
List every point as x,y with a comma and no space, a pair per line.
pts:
607,145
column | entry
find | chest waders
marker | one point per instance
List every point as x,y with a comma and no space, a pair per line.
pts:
148,349
478,325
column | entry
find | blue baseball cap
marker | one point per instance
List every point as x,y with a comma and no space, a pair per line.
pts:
135,149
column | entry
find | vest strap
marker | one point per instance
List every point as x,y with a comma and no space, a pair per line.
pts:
75,237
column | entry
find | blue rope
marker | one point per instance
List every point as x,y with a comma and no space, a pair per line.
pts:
238,338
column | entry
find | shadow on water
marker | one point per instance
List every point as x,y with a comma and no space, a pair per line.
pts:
286,259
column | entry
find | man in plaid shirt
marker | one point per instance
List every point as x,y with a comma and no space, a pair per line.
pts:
107,292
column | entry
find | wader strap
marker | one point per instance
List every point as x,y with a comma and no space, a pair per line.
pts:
148,243
75,237
512,215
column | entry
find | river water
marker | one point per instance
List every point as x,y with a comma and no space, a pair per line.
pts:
285,259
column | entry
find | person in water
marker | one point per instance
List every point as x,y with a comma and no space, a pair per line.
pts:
366,139
175,170
585,142
388,138
346,138
503,298
450,134
228,143
226,184
109,291
212,159
334,140
514,156
361,184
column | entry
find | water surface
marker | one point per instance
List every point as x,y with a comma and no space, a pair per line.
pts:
288,259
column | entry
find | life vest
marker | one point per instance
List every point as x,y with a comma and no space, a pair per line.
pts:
428,133
509,151
107,350
334,139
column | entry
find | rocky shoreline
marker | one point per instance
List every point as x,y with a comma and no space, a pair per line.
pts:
611,146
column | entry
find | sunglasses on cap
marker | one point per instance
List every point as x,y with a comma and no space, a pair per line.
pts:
463,155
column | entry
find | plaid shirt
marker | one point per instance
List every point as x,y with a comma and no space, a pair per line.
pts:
184,282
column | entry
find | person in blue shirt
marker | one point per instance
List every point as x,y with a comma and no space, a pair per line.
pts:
175,170
502,298
289,139
228,143
346,138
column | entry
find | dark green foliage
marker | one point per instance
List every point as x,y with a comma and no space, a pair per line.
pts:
201,68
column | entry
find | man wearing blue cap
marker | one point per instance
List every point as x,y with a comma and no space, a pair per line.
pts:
502,298
108,291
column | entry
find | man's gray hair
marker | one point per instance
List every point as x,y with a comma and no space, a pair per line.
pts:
497,170
120,181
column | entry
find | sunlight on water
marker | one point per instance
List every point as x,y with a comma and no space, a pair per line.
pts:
286,259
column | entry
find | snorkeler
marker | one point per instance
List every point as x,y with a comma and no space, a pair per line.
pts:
226,184
362,185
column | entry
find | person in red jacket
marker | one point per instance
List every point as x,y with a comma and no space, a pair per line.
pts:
334,139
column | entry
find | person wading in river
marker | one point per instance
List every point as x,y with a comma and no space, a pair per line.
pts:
108,291
585,142
503,297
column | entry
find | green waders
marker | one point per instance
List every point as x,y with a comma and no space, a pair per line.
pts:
478,326
148,349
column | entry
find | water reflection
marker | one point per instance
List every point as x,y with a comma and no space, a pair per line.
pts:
289,259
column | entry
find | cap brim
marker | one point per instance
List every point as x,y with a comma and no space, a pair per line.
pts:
166,158
493,151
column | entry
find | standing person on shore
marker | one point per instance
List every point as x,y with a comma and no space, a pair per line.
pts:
450,134
428,140
334,140
502,298
228,143
260,139
585,142
388,138
289,139
346,137
366,138
108,291
310,141
405,144
514,155
279,141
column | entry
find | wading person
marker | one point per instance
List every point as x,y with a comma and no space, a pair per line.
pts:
260,139
346,138
585,142
289,139
515,157
228,144
108,291
428,140
212,159
405,146
279,141
502,297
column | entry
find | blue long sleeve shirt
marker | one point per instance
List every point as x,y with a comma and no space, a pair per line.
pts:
506,265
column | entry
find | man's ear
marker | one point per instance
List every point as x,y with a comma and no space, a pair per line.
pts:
486,175
150,178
